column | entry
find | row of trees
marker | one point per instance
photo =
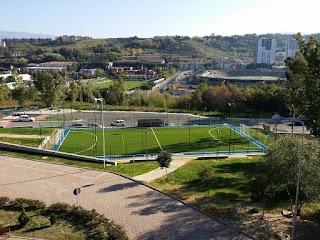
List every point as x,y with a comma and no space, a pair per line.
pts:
52,89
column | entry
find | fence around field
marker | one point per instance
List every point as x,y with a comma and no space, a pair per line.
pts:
256,144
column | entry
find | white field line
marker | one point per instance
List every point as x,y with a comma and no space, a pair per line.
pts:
214,136
157,139
187,136
224,142
64,137
96,139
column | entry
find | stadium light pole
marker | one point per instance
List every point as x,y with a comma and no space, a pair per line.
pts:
147,145
278,118
230,105
103,139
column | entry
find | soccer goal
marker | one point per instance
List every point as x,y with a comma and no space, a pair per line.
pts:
245,129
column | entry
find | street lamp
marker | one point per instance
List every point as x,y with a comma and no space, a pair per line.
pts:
103,140
278,118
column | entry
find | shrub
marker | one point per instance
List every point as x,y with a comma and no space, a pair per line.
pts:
60,207
28,204
53,218
253,210
3,201
23,218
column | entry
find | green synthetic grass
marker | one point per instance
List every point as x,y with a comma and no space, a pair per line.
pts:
131,141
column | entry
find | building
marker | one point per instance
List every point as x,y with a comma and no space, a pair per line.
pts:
11,80
2,44
280,57
50,66
292,47
266,52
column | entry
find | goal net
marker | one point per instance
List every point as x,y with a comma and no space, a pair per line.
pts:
245,129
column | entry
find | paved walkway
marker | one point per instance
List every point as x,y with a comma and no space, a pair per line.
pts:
159,172
145,213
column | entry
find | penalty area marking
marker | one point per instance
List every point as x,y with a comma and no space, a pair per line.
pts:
96,139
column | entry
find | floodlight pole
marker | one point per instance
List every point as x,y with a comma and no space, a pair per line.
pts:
147,145
103,139
230,105
278,118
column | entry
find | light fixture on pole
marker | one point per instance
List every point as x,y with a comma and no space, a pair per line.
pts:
103,139
278,118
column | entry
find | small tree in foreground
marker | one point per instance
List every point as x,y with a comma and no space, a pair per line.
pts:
164,159
207,176
278,173
23,218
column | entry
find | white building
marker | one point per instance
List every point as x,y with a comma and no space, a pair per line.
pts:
266,52
11,83
292,47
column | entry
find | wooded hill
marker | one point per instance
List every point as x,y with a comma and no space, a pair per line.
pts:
96,52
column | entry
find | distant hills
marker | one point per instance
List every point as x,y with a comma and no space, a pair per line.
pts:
8,34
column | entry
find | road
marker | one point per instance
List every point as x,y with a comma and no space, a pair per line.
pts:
62,118
144,212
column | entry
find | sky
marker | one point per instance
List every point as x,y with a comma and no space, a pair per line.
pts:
149,18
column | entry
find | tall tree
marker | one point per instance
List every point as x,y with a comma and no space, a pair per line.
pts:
20,93
303,74
52,90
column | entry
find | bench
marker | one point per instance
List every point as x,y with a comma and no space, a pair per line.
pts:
4,232
212,157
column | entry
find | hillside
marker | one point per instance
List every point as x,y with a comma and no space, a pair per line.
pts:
8,34
96,52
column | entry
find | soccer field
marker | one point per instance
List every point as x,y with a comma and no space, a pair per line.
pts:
132,141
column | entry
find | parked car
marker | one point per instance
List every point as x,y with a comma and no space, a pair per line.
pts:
295,123
93,124
118,123
26,118
78,124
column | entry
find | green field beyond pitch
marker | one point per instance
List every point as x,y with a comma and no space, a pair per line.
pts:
130,141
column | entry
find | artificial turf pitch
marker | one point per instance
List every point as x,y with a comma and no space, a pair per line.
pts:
132,141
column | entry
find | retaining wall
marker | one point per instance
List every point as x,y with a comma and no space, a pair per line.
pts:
46,152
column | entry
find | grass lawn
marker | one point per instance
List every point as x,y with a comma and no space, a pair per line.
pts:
27,131
233,176
131,141
39,227
31,142
127,169
129,85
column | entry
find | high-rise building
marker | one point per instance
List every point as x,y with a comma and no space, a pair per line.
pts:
266,52
292,47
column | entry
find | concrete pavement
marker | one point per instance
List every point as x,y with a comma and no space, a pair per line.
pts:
159,172
144,212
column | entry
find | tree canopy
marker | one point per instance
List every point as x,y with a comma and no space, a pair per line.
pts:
303,74
277,175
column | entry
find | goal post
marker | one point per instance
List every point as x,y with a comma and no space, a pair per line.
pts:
245,129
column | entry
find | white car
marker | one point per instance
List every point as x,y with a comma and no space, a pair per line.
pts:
118,123
26,118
